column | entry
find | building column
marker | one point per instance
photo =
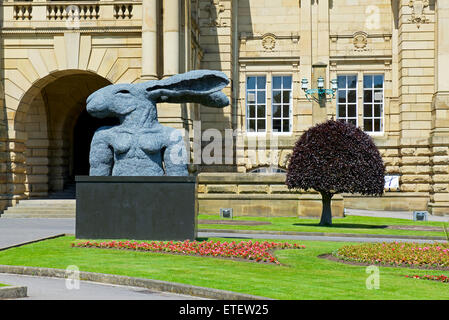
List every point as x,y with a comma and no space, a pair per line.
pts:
171,114
149,40
439,139
171,12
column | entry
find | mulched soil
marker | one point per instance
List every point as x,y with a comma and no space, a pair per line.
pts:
331,257
234,222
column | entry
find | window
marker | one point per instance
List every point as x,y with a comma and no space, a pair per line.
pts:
256,111
268,170
373,100
347,98
281,103
263,91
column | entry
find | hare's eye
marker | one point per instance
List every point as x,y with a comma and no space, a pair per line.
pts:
123,91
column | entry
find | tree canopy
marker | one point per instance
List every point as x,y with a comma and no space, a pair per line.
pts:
336,157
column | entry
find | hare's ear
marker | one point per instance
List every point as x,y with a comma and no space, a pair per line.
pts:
200,86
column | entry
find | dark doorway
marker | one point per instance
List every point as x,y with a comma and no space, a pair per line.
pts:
83,133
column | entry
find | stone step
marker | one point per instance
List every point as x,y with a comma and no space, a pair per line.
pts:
42,208
46,202
37,215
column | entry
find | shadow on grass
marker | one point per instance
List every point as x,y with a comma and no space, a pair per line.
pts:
201,239
344,225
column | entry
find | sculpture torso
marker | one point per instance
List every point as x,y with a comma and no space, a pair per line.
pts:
138,151
140,148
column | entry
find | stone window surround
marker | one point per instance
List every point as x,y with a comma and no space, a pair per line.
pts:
365,68
360,90
269,74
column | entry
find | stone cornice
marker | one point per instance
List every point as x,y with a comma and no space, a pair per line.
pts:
64,30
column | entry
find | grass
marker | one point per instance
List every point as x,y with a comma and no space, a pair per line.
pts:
3,285
303,277
349,224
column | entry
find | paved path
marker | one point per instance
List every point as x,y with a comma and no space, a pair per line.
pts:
308,238
408,215
14,231
42,288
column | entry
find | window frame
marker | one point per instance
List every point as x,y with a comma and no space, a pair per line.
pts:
382,103
290,104
356,89
255,118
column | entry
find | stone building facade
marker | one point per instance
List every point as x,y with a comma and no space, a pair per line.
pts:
390,59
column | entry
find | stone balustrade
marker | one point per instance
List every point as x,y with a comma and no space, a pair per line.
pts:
46,14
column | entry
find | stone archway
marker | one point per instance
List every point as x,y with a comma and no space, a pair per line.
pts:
53,116
83,132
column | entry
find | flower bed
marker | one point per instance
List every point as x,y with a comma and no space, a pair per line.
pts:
441,278
248,250
429,255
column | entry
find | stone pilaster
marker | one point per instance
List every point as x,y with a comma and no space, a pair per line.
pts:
305,107
416,88
439,140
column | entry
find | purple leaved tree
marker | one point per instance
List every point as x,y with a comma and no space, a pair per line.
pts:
336,157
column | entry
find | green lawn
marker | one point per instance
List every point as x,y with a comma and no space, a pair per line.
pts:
3,285
303,277
349,224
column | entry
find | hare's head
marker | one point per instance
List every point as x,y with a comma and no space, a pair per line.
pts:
119,100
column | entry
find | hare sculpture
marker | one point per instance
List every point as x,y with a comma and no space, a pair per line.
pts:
140,145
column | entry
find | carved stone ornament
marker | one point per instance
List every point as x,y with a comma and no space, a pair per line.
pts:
269,42
360,41
215,12
418,17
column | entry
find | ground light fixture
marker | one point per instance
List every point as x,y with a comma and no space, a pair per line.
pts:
226,213
322,94
420,215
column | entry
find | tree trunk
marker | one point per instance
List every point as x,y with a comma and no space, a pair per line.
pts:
326,214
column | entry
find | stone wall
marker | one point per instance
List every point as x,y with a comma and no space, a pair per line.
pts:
258,195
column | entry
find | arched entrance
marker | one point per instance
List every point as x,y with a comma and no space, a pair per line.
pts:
58,131
83,132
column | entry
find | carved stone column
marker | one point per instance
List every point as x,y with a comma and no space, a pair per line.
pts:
171,114
149,40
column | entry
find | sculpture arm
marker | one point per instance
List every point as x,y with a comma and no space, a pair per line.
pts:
101,155
175,156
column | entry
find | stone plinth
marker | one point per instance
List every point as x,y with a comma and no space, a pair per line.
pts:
139,208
